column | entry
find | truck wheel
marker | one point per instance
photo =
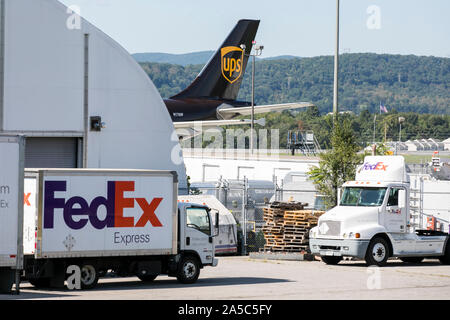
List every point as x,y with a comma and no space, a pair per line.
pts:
331,260
445,259
147,277
89,276
188,270
377,252
412,259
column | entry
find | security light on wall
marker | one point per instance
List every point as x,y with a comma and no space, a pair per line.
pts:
97,124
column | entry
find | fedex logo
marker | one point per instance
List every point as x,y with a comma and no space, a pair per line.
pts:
77,212
376,166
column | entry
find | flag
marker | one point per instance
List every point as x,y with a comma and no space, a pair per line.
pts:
383,108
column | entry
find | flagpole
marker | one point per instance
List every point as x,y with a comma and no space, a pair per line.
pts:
374,127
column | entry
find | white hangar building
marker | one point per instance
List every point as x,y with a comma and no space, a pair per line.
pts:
77,95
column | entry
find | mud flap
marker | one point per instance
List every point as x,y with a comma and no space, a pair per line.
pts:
7,279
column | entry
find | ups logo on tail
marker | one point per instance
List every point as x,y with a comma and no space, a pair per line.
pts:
231,61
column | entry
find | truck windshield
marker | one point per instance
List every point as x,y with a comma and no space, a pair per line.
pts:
198,218
364,197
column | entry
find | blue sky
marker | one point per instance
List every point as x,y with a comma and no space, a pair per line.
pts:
288,27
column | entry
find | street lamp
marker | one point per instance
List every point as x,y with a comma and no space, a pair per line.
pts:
400,121
258,52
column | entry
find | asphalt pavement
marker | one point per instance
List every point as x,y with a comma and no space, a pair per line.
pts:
254,279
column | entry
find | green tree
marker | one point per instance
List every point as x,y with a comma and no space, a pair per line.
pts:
337,165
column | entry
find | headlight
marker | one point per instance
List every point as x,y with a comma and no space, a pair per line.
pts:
352,235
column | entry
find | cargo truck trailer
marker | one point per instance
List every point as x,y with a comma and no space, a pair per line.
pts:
128,222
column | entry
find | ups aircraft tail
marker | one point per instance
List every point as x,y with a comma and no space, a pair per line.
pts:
222,76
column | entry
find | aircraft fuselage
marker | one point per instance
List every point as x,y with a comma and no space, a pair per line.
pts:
197,109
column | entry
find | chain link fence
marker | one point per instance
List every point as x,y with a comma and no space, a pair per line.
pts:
246,200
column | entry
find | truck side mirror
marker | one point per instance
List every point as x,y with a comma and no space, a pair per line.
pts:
402,198
217,224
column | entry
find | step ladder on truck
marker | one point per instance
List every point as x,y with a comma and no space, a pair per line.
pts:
374,219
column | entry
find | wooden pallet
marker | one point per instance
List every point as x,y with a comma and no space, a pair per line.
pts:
287,226
288,205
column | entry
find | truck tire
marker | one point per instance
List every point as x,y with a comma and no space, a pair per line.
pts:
331,260
377,253
412,259
147,277
445,259
89,276
188,270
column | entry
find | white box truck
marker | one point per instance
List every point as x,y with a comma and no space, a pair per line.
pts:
123,221
11,210
373,220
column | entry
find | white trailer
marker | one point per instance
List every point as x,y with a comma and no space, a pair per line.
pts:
226,242
373,220
11,209
127,221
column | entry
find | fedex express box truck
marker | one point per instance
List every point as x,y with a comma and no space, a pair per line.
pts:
127,222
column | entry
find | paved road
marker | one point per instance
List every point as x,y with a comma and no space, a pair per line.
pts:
244,278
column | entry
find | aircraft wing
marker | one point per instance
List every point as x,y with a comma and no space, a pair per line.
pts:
190,129
214,123
227,112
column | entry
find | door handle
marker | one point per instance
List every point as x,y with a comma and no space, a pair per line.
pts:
188,241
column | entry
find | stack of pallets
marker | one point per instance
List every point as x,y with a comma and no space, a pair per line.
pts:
287,226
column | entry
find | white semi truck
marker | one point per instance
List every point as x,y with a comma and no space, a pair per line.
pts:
127,222
373,220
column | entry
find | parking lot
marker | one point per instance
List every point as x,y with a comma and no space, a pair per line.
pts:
245,278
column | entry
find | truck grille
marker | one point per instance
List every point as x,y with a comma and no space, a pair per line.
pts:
330,228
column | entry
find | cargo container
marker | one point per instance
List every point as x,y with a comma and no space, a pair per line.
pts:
11,215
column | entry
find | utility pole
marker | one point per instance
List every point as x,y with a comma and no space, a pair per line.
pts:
253,104
336,69
258,52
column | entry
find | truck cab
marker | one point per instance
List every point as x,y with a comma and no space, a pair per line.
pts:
197,232
373,220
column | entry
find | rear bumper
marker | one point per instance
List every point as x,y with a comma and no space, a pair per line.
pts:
335,247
